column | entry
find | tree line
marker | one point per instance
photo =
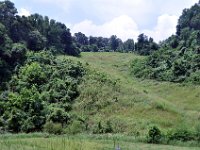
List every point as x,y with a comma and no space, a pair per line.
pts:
143,46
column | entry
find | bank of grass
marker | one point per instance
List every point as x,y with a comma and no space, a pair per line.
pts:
132,105
110,94
78,142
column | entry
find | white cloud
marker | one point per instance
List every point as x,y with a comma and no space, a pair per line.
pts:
24,12
144,12
125,27
166,26
125,18
122,26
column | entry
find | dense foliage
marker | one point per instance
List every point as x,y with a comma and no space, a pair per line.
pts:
178,59
41,91
36,31
177,135
18,34
143,46
36,88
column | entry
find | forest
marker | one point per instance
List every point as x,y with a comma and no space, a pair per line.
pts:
47,83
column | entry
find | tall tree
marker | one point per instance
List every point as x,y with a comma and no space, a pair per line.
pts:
81,39
114,43
129,45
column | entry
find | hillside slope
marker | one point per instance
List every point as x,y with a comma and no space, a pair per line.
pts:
132,105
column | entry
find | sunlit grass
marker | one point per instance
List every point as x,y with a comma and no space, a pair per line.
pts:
141,103
82,142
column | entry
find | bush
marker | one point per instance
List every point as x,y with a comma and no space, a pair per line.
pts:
194,78
108,127
99,128
197,133
154,135
53,128
102,128
182,135
140,69
75,127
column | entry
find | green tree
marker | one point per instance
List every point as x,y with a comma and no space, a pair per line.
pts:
129,45
114,43
36,41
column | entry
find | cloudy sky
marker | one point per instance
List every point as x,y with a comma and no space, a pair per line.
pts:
124,18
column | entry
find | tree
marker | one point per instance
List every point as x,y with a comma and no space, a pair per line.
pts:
93,40
129,45
36,41
7,13
18,54
114,43
142,46
80,38
5,55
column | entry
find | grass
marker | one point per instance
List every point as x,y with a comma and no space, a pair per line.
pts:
78,142
140,103
110,93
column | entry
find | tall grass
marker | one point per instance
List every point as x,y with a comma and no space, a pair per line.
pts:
134,104
79,142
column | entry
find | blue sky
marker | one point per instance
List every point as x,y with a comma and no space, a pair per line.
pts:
124,18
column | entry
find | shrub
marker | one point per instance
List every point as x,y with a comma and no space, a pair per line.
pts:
197,133
154,135
182,135
75,127
194,77
53,128
108,127
99,128
102,128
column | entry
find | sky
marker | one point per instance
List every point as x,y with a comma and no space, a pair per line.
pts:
124,18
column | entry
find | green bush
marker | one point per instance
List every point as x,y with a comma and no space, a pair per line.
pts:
194,77
53,128
154,135
197,133
108,127
42,90
75,127
182,135
99,128
105,127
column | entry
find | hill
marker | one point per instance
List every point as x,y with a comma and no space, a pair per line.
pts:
112,101
111,94
43,89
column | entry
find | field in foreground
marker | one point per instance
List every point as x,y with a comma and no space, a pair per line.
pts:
35,142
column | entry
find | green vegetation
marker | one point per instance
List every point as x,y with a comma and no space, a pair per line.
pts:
46,142
42,90
133,104
105,95
178,59
143,46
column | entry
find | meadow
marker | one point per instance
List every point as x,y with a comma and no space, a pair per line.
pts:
140,102
111,93
79,142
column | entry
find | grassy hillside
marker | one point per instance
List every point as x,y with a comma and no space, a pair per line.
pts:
111,98
132,105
